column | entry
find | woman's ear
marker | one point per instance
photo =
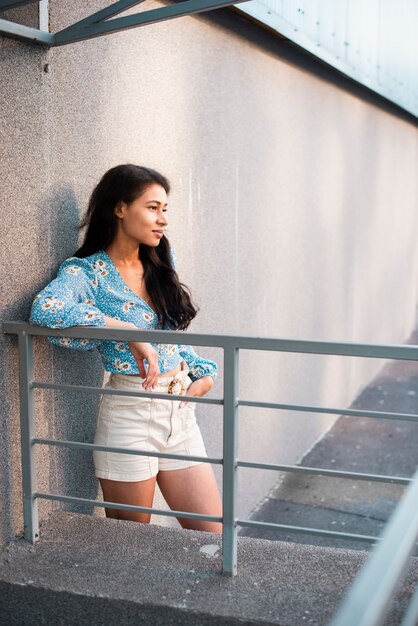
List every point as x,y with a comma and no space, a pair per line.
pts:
119,210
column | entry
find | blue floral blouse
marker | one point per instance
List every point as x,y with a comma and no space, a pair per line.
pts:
87,289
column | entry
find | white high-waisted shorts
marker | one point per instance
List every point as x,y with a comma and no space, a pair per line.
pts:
153,424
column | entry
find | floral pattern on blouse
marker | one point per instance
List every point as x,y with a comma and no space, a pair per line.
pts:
83,292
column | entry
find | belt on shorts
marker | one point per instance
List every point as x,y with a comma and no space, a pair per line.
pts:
177,385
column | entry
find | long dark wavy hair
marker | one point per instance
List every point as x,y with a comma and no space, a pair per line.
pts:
171,298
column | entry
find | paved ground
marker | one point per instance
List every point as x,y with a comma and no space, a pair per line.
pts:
355,444
86,571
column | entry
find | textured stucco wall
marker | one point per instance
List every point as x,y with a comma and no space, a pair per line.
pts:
293,214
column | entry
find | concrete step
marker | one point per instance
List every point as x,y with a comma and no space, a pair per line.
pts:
91,570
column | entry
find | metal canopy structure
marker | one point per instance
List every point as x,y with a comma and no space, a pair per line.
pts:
356,38
96,25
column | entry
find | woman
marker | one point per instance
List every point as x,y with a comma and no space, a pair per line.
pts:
124,276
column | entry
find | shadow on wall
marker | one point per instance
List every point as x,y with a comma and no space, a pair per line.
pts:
59,414
69,415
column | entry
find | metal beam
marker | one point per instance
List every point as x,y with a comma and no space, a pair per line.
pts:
44,15
99,16
186,7
26,33
7,4
95,25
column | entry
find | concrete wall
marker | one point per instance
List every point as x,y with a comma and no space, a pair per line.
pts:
293,214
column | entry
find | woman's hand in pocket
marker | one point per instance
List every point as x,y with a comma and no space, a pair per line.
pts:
199,387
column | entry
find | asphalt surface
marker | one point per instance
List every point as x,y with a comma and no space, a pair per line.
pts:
356,444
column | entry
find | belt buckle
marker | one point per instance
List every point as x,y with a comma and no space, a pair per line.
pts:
173,383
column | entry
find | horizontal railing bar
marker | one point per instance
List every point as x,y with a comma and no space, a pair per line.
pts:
367,350
219,401
120,392
298,469
251,464
412,417
126,507
302,530
96,446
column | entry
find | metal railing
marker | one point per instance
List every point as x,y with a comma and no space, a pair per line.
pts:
231,345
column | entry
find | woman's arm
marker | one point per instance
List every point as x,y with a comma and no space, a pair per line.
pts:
203,372
112,322
198,366
140,350
69,300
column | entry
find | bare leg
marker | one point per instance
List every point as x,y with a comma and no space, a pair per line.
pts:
192,489
139,493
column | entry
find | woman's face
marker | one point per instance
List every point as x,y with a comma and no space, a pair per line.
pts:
144,216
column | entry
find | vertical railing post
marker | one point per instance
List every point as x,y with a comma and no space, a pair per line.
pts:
230,458
27,433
